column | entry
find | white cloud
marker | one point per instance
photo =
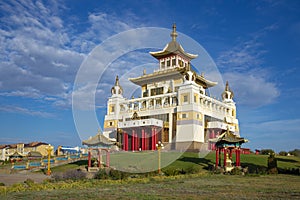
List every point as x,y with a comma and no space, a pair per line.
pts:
245,69
16,109
35,61
252,89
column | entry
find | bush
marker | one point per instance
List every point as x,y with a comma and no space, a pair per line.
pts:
237,171
117,175
29,182
172,171
283,153
192,170
2,184
295,152
73,174
101,174
272,164
267,151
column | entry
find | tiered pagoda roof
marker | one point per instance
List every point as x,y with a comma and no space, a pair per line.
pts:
228,138
99,140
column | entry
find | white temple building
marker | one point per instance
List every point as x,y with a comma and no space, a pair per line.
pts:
173,107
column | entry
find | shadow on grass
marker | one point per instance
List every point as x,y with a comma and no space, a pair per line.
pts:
255,169
80,162
207,164
286,160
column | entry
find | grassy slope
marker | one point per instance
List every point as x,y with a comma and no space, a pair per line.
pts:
186,187
199,186
189,159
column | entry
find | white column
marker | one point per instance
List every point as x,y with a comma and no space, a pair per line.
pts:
170,126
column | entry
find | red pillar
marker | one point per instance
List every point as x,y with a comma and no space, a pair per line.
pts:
132,141
238,162
225,152
217,157
156,138
89,158
152,139
107,158
99,158
147,136
137,143
230,153
125,141
143,139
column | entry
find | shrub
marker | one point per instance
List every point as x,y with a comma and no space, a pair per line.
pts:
73,174
272,164
267,151
102,174
2,184
117,175
283,153
29,182
172,171
237,171
295,152
192,170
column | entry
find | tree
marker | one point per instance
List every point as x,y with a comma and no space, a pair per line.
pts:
283,153
295,152
267,151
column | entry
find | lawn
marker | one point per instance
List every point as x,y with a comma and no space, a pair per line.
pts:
182,187
137,163
201,185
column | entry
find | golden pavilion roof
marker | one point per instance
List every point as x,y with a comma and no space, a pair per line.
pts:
98,140
228,138
173,47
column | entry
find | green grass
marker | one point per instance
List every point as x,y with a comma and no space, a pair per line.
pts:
184,161
202,185
74,165
183,187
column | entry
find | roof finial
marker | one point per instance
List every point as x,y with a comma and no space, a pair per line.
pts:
117,81
227,87
174,34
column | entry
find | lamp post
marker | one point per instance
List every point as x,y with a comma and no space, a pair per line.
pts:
159,146
49,149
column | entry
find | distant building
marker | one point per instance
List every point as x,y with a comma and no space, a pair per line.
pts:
174,107
23,149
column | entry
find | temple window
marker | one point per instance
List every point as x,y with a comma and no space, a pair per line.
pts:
168,63
180,63
173,62
183,116
185,98
162,64
157,91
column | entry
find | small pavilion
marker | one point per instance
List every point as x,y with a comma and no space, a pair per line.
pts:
98,143
228,143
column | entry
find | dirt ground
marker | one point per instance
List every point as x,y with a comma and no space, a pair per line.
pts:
20,177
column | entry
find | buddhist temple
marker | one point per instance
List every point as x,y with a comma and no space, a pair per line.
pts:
174,107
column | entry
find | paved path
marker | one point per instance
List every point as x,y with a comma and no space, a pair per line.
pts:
20,177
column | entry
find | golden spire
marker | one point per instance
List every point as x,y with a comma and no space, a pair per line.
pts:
227,87
117,81
174,34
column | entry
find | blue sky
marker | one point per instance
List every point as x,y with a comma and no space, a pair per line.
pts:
255,45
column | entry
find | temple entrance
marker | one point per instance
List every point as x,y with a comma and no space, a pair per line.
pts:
140,135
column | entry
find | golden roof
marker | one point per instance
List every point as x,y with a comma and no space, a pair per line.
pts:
173,47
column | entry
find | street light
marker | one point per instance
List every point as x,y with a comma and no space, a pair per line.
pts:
159,146
49,149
